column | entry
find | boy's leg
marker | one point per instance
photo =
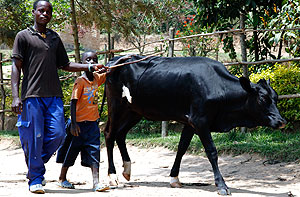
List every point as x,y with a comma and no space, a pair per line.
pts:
73,147
63,182
90,155
63,174
96,185
95,173
31,130
54,126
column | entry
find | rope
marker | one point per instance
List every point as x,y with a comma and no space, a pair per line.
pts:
132,62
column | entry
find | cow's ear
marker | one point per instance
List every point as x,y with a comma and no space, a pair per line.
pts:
246,84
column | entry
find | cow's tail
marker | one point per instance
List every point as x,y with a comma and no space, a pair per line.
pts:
103,101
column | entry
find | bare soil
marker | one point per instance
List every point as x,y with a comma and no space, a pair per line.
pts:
246,175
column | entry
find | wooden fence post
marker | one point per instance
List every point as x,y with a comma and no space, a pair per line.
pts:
164,124
2,115
112,46
243,51
105,55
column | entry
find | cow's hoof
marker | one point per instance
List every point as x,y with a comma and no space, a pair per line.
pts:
175,183
113,180
224,191
126,176
127,170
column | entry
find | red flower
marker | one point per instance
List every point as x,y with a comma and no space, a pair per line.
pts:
188,46
191,23
192,31
185,22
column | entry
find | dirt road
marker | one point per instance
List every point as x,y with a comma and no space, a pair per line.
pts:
245,175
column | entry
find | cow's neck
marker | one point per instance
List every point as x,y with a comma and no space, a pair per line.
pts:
235,114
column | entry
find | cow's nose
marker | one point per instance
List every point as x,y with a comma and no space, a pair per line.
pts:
283,123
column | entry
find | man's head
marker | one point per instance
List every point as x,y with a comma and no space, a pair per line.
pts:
89,57
42,11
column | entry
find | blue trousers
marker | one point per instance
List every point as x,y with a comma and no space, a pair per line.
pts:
42,130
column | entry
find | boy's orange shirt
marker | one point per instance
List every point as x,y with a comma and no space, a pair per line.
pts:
86,93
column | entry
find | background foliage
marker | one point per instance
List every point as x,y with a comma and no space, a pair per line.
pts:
285,80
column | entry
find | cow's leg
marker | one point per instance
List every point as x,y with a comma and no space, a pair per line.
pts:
185,140
118,125
212,155
132,119
110,141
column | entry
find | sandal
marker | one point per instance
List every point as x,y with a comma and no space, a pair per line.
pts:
66,184
100,188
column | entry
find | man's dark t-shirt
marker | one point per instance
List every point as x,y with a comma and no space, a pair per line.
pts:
41,58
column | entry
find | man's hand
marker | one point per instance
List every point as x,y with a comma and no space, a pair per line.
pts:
16,105
75,130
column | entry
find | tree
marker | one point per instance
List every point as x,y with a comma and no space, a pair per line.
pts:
225,15
16,15
132,18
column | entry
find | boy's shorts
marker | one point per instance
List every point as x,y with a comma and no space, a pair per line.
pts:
87,143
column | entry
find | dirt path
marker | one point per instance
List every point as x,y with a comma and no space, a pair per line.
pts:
246,175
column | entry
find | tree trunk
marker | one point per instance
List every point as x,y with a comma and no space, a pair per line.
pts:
75,34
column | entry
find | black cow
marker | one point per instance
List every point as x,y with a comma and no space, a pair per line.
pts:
195,91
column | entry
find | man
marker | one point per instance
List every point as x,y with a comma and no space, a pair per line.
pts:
39,53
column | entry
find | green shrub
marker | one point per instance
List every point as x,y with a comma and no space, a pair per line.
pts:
285,80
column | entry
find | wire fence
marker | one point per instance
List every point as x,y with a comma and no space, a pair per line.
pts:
170,40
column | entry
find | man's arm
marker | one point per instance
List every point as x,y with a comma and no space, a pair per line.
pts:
16,105
75,67
75,130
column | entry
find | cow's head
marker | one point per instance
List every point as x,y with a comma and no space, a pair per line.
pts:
261,103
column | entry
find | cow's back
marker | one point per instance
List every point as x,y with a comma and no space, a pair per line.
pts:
164,88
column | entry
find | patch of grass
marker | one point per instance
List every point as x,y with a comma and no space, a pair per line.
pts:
272,144
9,134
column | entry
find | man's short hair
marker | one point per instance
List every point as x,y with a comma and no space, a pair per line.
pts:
36,2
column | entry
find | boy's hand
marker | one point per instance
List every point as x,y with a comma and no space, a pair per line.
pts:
75,130
98,67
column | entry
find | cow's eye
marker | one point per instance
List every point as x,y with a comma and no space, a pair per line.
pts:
266,99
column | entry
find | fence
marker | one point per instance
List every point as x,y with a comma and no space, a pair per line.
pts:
171,50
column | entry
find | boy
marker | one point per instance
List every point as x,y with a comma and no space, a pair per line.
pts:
84,126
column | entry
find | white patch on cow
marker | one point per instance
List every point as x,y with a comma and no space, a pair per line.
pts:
113,180
126,93
174,180
127,167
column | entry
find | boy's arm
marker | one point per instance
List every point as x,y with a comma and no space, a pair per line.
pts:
75,130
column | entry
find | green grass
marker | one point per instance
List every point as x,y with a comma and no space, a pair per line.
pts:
271,144
9,134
